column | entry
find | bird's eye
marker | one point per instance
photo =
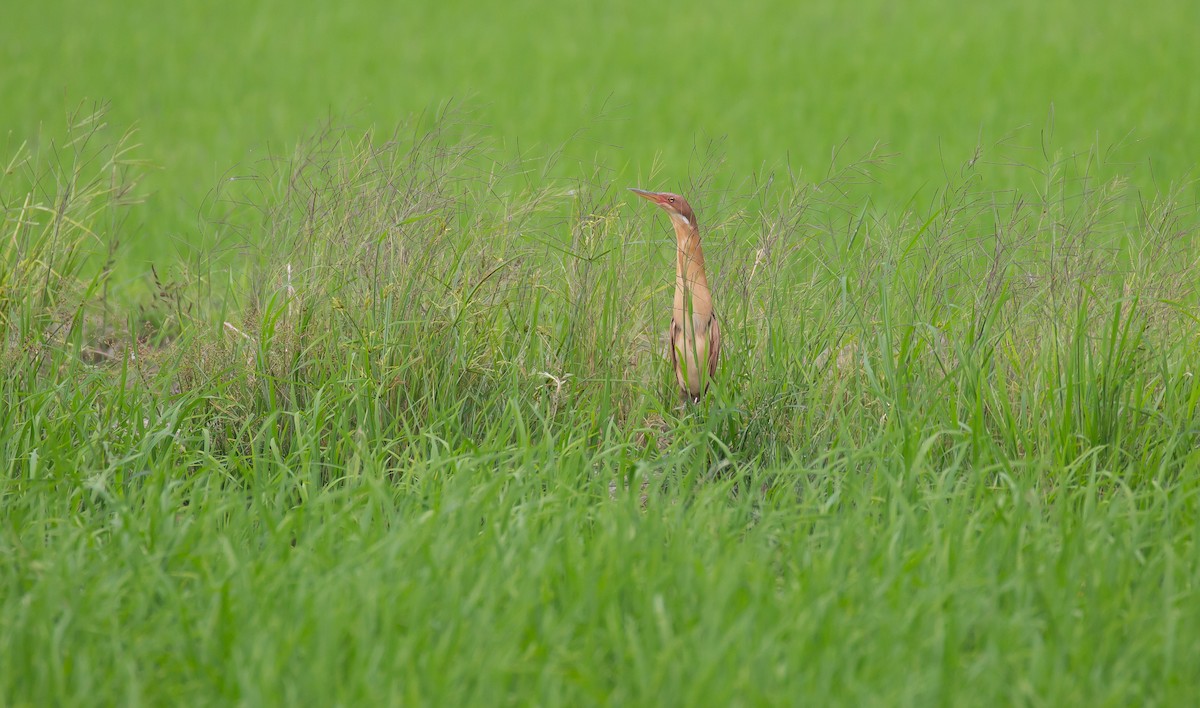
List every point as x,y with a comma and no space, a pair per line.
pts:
671,199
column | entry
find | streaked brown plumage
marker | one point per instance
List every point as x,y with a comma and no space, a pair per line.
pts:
694,338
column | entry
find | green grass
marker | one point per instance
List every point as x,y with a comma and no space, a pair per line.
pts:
386,423
214,88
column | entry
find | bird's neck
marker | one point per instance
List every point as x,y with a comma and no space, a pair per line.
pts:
691,282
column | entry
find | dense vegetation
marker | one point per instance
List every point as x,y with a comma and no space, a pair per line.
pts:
381,417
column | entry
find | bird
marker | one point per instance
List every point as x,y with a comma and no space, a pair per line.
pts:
694,338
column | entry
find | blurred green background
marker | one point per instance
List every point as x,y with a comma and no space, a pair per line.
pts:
641,89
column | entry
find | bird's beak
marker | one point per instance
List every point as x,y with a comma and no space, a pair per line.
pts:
652,196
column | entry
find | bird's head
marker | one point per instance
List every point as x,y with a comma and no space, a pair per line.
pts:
676,206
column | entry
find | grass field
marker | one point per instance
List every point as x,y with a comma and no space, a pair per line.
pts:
331,340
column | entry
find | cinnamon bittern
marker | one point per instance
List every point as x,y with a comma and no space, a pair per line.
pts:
694,339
